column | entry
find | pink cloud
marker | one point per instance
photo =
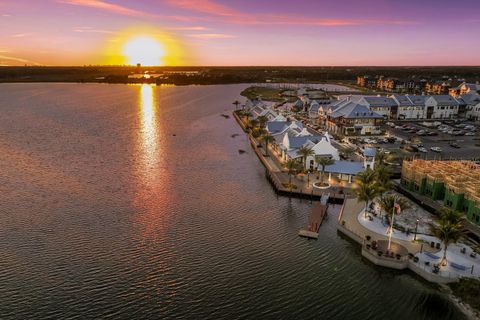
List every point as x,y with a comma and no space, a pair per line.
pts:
206,36
231,15
99,4
205,6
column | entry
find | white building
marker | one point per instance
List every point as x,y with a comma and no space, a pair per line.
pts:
441,107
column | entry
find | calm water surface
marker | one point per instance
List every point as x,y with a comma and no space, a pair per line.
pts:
132,202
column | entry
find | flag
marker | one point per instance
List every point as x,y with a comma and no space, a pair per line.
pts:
397,208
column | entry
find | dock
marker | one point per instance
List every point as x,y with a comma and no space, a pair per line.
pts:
315,219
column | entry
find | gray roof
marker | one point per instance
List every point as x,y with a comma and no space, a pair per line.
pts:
277,126
378,101
345,167
369,152
354,110
402,100
445,100
297,142
471,98
418,100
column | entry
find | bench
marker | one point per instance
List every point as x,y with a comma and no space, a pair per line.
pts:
431,255
458,266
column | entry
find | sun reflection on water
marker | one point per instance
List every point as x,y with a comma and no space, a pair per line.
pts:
148,125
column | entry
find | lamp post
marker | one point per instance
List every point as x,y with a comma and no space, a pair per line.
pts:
416,228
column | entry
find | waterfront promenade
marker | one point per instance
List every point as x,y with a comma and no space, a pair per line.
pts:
423,259
302,185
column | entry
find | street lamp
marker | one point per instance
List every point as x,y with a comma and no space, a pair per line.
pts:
416,228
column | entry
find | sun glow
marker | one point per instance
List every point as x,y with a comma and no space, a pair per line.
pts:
144,50
148,46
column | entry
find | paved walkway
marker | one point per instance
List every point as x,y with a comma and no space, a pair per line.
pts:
351,211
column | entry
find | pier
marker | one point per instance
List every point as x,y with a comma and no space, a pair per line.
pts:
315,219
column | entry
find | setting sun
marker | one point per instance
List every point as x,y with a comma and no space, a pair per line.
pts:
144,50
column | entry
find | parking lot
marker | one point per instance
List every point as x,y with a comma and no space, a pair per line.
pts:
415,139
453,142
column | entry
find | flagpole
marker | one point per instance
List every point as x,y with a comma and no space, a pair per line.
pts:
391,228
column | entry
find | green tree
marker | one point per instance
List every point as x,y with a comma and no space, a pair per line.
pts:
262,121
452,216
292,166
323,162
267,138
382,177
247,114
305,153
366,192
257,132
347,152
387,203
366,177
253,123
448,232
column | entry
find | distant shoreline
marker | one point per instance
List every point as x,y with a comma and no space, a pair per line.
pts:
222,75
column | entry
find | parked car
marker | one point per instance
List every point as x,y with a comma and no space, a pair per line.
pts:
454,145
436,149
422,150
470,133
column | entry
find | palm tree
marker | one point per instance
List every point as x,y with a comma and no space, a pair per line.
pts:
267,138
262,120
253,123
366,177
347,152
305,153
367,192
449,215
324,161
448,232
382,177
388,202
247,114
292,166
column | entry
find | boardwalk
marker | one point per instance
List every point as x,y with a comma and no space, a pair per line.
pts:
315,219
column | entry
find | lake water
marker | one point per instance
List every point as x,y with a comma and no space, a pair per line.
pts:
132,202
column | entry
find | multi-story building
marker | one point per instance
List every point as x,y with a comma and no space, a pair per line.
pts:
465,88
410,106
455,183
384,106
366,81
352,118
443,107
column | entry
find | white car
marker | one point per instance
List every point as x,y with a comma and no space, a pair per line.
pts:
422,150
470,133
436,149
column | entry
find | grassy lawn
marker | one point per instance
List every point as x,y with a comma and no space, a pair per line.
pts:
267,94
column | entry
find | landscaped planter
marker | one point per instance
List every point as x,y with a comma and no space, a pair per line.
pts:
321,185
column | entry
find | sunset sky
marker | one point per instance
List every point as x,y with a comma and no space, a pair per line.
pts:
248,32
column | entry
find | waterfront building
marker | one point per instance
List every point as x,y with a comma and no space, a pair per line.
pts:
455,183
352,118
